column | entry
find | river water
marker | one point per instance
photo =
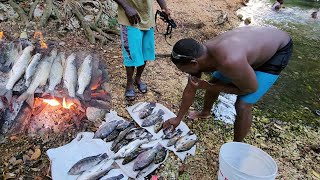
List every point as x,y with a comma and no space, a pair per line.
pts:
296,95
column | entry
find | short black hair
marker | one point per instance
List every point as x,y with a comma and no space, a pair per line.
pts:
186,50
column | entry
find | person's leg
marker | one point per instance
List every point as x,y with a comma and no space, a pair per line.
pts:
148,50
131,40
243,120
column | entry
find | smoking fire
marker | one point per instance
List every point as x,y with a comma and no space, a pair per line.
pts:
39,35
54,102
1,34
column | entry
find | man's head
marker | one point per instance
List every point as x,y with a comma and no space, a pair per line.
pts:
185,53
280,1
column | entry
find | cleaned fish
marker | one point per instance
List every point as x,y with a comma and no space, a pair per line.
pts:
184,138
153,119
126,150
146,158
123,124
122,135
147,110
139,107
70,75
130,157
106,129
120,145
112,136
144,172
185,146
175,138
119,177
31,69
56,73
98,171
84,75
39,79
86,163
161,155
158,126
10,55
17,71
137,133
169,133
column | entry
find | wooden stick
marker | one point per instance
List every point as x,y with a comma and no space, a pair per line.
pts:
33,7
86,27
19,10
47,13
102,33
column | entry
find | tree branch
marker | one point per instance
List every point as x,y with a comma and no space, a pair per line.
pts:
19,10
47,13
85,26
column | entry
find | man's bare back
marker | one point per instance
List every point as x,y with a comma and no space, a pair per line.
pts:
256,44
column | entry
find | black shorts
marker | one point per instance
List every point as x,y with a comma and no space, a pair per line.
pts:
278,61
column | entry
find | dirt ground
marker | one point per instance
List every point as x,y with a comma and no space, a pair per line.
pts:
294,147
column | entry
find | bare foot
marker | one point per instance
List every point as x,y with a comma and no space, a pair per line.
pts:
194,115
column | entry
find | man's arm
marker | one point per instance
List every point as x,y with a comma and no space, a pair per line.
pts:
187,99
131,13
163,6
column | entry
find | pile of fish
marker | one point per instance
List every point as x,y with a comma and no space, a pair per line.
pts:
94,167
38,68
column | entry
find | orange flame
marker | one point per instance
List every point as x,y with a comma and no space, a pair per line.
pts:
52,102
1,34
66,105
42,42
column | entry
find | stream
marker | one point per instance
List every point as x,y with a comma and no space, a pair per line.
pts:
296,95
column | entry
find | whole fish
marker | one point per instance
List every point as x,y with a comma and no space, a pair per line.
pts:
137,133
106,129
158,126
119,177
145,171
120,145
184,138
98,171
31,69
130,157
11,54
175,138
161,155
139,107
16,72
146,158
86,163
56,73
39,79
112,136
169,133
147,110
153,119
84,75
70,75
185,146
122,135
123,124
126,150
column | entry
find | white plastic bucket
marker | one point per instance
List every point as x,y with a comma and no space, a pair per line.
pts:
240,161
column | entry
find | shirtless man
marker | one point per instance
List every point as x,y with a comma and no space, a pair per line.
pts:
245,61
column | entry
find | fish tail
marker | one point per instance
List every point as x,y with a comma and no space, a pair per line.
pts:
29,98
81,96
6,93
104,156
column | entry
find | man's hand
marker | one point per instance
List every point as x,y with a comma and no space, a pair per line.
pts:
173,122
198,83
167,11
132,15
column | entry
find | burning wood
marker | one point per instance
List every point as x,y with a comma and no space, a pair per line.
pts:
1,35
38,35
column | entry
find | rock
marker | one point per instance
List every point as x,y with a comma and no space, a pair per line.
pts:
89,18
247,21
94,114
12,160
240,16
9,176
38,11
62,43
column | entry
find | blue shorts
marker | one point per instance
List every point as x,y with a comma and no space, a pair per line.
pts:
137,45
265,81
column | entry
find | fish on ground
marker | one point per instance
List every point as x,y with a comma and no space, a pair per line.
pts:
70,75
153,119
132,146
130,157
86,163
139,107
16,72
31,69
106,129
118,177
172,141
122,135
120,145
84,75
98,171
147,110
146,158
39,79
185,143
169,133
